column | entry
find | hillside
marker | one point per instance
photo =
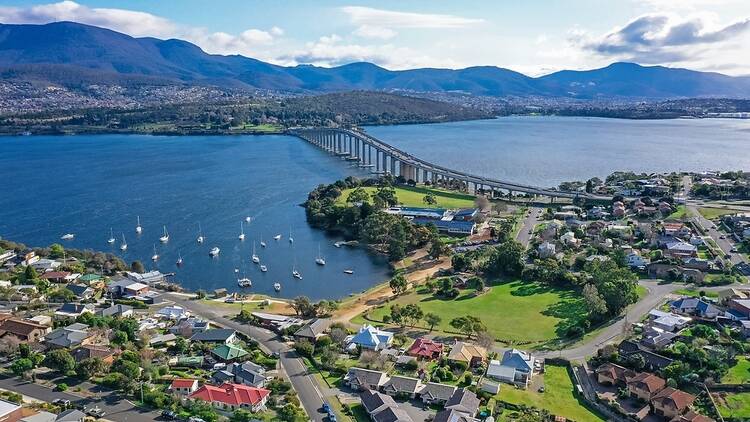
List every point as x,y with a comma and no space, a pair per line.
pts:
73,54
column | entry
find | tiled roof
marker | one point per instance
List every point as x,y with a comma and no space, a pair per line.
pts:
183,383
648,382
672,397
425,347
231,394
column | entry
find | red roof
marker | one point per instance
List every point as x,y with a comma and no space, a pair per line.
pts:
54,275
425,347
182,383
234,394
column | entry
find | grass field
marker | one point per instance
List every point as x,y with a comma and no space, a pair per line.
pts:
695,293
412,197
524,313
739,373
680,214
712,213
734,405
558,397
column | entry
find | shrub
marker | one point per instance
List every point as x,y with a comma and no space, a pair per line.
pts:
61,387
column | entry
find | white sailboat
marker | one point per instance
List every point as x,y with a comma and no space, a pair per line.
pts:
164,237
179,258
248,219
138,228
348,271
255,257
200,238
320,260
67,236
242,231
262,243
277,286
155,256
214,251
291,239
296,274
263,268
244,281
277,237
111,239
124,244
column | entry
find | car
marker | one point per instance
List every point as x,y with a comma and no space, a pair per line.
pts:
95,412
229,300
541,389
733,250
331,417
61,402
195,419
728,256
169,415
722,237
326,408
531,231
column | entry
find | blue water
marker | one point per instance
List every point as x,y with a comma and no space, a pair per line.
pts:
548,150
87,184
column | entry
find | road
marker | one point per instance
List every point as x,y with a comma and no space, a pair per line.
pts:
291,364
726,244
529,222
116,407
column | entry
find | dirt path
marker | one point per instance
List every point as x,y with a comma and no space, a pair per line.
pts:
422,268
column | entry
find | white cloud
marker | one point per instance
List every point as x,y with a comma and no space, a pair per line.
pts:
140,24
377,32
368,16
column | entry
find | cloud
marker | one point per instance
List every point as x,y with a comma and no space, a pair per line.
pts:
141,24
661,38
368,16
377,32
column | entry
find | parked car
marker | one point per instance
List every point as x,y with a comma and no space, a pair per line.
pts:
61,402
326,408
95,412
169,415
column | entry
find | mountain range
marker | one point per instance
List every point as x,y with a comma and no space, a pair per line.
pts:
74,54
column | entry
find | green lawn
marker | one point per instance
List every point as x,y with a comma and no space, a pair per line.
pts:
712,213
412,197
524,313
680,214
558,398
739,373
734,405
696,293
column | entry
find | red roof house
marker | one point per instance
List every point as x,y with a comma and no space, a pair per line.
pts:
424,348
183,386
55,276
233,396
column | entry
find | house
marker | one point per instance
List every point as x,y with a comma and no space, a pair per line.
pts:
635,260
189,326
228,352
424,348
217,335
44,265
71,415
116,311
372,338
313,330
401,386
697,264
458,227
67,337
364,379
516,367
741,306
55,276
90,278
183,386
89,351
73,310
247,373
612,374
691,416
680,250
82,292
733,293
135,289
230,397
671,402
695,306
645,386
449,415
667,321
383,408
464,401
434,393
9,411
41,416
569,239
546,250
162,340
657,339
472,354
274,322
23,330
676,229
564,215
653,360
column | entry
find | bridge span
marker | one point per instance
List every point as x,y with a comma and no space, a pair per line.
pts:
360,147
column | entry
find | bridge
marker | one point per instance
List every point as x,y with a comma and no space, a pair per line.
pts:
358,146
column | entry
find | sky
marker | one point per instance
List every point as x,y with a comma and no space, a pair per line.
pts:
534,37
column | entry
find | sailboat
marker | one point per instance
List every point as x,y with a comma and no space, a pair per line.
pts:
348,271
214,251
291,239
255,257
319,260
138,228
262,243
155,256
165,237
124,244
179,258
244,281
67,236
111,239
242,231
200,238
248,219
277,286
277,237
263,268
296,274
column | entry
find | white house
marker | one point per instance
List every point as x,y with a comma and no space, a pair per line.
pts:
372,338
636,261
546,250
516,367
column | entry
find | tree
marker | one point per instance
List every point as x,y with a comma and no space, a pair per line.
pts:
358,196
398,284
21,366
460,262
56,250
60,360
477,283
617,286
468,324
128,368
429,199
432,320
506,258
137,267
596,306
120,337
29,275
385,196
303,307
482,202
412,313
89,367
437,248
304,348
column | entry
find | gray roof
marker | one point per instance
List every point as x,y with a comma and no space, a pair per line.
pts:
450,415
438,391
392,414
373,401
314,328
216,335
70,415
401,384
80,290
247,373
365,376
68,336
114,310
72,308
40,417
463,400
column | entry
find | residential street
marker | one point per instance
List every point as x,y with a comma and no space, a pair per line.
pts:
529,222
725,244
